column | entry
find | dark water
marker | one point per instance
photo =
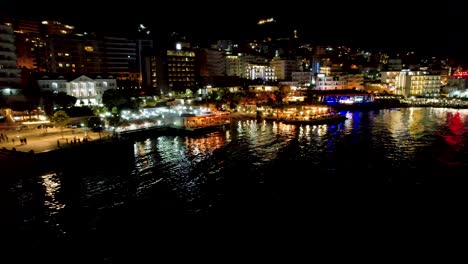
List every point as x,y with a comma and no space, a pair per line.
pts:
255,180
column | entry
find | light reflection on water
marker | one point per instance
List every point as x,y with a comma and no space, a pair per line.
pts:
263,163
53,204
51,183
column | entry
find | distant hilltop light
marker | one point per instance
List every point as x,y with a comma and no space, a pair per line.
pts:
264,21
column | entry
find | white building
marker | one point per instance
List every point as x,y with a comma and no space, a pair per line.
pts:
263,72
417,83
88,91
236,65
284,67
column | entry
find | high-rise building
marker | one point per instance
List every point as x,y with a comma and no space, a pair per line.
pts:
9,73
173,70
72,54
124,57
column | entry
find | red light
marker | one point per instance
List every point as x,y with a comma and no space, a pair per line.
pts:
460,74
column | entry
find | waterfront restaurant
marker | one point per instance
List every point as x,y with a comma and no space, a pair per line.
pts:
192,118
299,113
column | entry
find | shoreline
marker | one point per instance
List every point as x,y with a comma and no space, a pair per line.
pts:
39,143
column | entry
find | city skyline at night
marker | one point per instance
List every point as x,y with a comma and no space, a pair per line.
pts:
424,28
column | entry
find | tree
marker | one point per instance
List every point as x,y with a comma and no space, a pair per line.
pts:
96,124
113,98
61,119
64,100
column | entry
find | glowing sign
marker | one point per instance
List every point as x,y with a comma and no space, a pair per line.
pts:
460,74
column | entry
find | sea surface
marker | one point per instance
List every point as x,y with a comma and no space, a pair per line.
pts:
252,181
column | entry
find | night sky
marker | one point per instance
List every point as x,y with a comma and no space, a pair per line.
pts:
437,28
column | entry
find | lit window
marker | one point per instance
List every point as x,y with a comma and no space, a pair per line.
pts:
89,48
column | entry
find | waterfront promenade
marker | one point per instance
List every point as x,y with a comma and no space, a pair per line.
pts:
39,140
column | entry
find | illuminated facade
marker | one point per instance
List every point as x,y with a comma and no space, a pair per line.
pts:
325,70
236,65
124,57
173,70
266,73
53,47
323,82
72,54
284,67
233,67
9,73
416,83
181,69
88,91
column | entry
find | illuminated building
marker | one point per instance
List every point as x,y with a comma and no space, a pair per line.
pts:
53,47
266,73
323,82
123,57
181,69
9,73
88,91
233,66
417,83
72,54
284,67
173,70
325,70
237,65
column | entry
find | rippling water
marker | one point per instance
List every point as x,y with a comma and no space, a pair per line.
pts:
253,169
